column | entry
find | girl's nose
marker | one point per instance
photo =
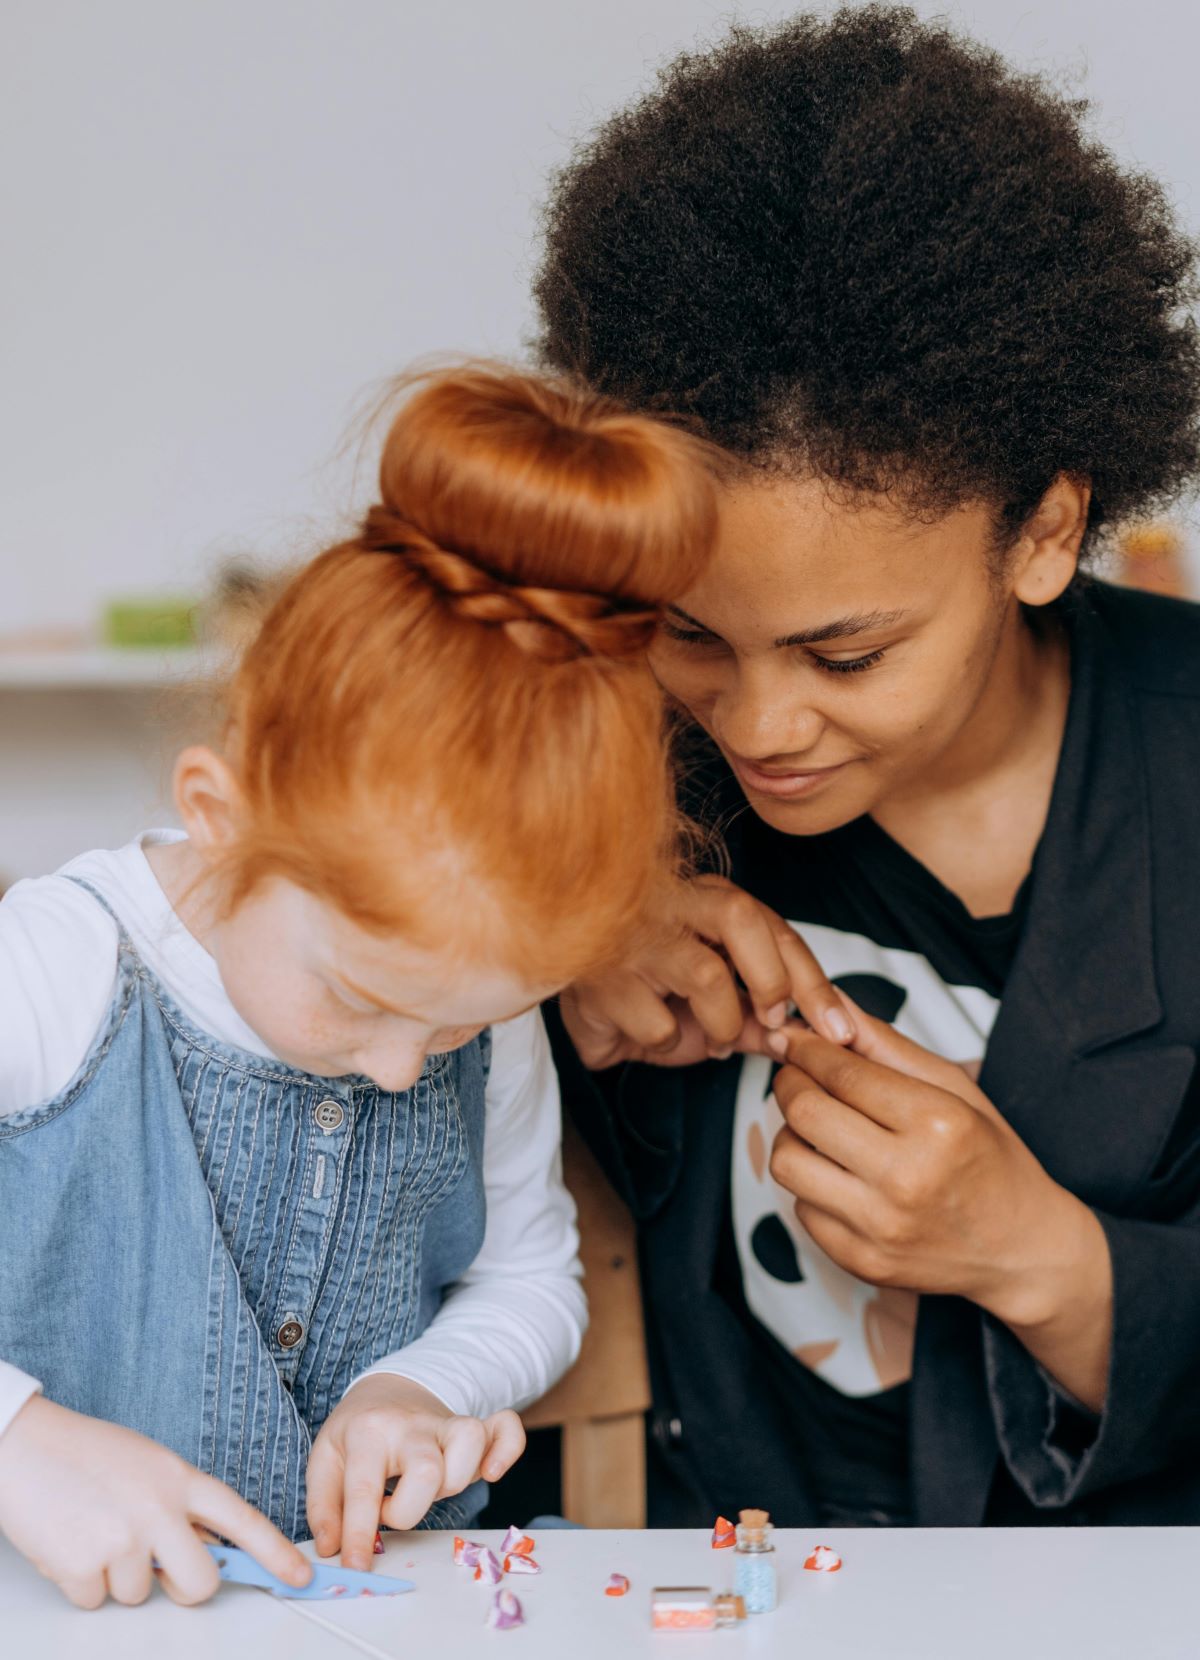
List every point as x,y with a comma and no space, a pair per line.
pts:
396,1069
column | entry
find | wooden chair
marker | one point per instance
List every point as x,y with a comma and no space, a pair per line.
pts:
600,1404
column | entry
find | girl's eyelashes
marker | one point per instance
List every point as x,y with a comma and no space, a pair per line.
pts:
848,665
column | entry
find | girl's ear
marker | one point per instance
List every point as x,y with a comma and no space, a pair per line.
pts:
208,800
1047,554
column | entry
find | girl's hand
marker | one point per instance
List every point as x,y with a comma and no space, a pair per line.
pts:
94,1507
681,1000
387,1426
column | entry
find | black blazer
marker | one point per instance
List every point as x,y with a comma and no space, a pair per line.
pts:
1093,1061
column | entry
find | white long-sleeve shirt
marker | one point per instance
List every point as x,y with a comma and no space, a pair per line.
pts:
510,1326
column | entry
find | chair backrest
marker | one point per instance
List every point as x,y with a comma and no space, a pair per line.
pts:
601,1402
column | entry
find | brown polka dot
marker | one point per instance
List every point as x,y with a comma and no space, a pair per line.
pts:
890,1323
813,1354
756,1146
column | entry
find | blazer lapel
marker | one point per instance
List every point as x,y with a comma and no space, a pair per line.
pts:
1082,983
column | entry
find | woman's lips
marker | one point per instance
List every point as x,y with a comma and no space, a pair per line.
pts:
787,786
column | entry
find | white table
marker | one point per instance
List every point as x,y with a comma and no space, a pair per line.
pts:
1037,1594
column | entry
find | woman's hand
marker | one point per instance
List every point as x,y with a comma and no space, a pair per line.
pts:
727,972
94,1507
906,1175
387,1426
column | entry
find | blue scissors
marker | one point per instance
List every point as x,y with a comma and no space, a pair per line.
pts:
328,1583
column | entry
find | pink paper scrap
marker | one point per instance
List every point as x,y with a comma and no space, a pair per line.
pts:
488,1568
505,1612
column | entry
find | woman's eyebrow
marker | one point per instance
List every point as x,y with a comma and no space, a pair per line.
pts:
841,628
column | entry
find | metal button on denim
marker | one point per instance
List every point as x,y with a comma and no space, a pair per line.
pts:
289,1334
329,1115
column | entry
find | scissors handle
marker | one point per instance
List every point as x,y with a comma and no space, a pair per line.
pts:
328,1581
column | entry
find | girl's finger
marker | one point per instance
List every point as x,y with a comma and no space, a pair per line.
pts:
464,1442
186,1571
214,1505
84,1590
130,1578
362,1503
325,1486
506,1435
419,1485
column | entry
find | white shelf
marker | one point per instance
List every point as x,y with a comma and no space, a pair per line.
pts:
148,668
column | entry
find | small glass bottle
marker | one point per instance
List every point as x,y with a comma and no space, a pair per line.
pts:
694,1608
755,1578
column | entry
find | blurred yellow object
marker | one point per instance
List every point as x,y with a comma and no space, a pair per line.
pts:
1151,557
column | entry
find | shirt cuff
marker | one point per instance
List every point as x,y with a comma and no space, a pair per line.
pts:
437,1379
1046,1436
16,1387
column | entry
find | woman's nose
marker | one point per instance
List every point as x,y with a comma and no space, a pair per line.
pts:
759,717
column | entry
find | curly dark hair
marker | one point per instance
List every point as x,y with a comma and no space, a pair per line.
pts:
866,246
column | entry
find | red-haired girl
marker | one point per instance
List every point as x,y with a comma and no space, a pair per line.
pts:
281,1212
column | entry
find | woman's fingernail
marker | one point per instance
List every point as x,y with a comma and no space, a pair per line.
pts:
775,1015
777,1044
719,1054
838,1026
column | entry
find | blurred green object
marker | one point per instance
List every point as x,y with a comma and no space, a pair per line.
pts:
163,621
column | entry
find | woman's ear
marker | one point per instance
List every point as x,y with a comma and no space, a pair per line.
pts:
208,800
1046,556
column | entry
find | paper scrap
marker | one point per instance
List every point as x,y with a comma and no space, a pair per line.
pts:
724,1534
521,1565
505,1612
617,1585
488,1568
823,1560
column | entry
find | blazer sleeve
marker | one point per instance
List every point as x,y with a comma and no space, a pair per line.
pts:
1057,1452
631,1117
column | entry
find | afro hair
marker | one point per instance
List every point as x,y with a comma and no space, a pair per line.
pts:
864,246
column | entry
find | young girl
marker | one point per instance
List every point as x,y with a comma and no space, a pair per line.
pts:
281,1214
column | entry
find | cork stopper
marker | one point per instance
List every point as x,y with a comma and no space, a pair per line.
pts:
753,1525
729,1608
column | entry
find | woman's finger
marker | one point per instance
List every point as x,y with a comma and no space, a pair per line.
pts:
506,1443
880,1091
876,1041
464,1442
841,1133
130,1578
419,1484
746,930
186,1571
214,1505
817,999
816,1180
702,977
630,1007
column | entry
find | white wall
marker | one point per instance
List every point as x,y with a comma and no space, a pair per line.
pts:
225,219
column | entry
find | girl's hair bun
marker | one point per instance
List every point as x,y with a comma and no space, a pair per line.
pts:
544,509
553,624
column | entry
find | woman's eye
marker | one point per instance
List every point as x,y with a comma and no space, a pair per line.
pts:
848,665
688,636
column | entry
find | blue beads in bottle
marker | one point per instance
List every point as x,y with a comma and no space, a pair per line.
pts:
755,1579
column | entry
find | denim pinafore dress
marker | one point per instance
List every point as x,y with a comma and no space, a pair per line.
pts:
208,1246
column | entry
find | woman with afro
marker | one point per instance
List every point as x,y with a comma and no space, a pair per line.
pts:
941,1267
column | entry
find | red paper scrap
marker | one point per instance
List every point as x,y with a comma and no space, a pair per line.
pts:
823,1560
724,1534
617,1585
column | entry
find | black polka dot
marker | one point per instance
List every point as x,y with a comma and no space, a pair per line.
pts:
775,1250
873,994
